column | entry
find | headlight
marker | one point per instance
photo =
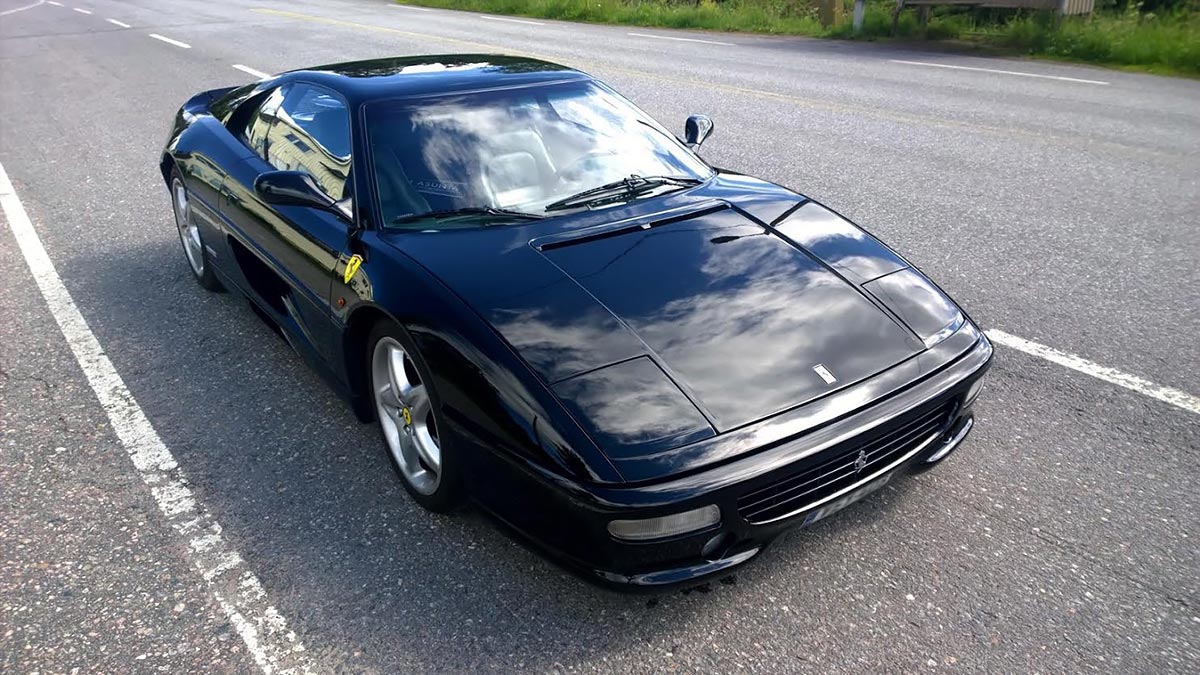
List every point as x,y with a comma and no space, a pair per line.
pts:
948,330
919,304
645,529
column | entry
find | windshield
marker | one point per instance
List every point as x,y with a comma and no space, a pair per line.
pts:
513,150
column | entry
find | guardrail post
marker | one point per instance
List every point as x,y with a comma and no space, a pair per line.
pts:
860,10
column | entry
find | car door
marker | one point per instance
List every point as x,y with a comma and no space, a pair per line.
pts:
287,254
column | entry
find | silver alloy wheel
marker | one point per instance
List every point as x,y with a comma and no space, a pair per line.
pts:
406,416
189,232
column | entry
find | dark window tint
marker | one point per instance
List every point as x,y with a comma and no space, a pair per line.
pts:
312,134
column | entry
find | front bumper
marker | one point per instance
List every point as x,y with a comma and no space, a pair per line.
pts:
569,520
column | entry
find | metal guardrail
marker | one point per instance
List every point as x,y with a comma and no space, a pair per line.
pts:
1063,7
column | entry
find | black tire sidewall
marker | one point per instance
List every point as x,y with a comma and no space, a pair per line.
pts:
448,495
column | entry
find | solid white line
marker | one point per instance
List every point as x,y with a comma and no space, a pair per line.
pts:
14,10
501,18
679,39
250,71
415,9
114,22
999,72
1175,397
82,11
236,589
169,41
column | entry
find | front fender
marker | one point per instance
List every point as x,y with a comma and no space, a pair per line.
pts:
489,395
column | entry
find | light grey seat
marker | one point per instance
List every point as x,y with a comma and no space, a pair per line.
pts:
512,178
516,167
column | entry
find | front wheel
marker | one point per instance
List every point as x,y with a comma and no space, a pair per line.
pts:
189,236
406,406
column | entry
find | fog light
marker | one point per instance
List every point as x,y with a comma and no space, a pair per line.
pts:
976,387
644,529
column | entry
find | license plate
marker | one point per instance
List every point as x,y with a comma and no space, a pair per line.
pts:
846,500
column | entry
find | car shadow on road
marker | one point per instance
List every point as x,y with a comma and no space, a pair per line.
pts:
306,494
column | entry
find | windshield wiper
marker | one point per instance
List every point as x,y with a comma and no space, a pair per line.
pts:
467,211
626,188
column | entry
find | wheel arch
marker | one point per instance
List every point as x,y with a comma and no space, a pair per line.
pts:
354,355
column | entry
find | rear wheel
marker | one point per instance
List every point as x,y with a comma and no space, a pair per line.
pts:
189,235
406,406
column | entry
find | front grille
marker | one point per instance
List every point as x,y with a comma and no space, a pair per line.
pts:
835,468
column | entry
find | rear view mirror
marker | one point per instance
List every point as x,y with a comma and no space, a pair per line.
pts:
696,129
292,188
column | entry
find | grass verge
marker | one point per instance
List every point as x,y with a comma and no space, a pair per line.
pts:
1132,40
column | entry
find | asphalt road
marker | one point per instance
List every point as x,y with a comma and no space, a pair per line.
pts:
1060,208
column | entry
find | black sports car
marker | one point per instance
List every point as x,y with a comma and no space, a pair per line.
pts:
555,308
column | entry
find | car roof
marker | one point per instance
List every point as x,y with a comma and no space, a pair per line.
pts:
361,81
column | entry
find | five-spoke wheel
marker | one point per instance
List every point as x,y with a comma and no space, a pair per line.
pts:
405,407
406,415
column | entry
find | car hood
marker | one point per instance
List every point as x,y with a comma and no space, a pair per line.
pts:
664,330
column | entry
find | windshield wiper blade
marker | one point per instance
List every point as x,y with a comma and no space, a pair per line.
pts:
467,211
620,189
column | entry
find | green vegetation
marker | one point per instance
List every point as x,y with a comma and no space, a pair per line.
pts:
755,16
1166,40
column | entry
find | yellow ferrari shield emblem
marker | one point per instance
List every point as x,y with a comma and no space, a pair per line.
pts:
352,266
407,417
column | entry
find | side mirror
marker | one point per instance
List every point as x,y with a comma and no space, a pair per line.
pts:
292,188
696,129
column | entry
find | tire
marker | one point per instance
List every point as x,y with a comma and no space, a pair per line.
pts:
409,421
194,250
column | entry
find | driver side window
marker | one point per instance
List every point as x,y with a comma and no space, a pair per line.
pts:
312,134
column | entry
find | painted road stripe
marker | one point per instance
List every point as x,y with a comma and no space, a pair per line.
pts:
82,11
1177,398
250,71
114,22
999,72
679,39
14,10
234,587
502,18
169,41
415,9
56,4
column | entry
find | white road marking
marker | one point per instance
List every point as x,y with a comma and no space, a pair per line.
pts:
82,11
502,18
679,39
169,41
250,71
14,10
56,4
1175,397
415,9
122,24
274,648
999,72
